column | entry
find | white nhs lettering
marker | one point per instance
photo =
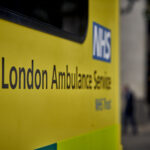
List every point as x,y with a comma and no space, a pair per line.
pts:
101,43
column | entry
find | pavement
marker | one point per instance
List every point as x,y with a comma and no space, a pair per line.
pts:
140,141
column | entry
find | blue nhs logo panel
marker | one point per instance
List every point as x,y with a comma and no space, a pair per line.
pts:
101,43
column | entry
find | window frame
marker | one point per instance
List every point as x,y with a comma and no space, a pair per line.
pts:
36,24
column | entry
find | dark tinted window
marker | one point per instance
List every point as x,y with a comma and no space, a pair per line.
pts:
69,16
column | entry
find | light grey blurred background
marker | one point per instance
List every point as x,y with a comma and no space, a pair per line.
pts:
134,68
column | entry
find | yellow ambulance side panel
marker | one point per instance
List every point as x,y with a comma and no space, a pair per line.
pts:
34,118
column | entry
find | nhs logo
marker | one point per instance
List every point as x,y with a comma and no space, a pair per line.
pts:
101,43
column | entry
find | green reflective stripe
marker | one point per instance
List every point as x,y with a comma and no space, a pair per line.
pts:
49,147
105,139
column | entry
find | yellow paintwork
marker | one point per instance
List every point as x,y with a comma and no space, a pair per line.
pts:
30,119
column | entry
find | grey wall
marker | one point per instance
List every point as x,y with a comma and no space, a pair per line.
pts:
133,48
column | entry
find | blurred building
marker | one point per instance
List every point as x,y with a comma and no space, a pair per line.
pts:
133,46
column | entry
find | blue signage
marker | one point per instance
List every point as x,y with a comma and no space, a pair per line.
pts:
101,43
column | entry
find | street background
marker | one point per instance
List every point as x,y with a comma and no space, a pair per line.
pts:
135,66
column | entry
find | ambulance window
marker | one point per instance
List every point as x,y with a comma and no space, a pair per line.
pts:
65,18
